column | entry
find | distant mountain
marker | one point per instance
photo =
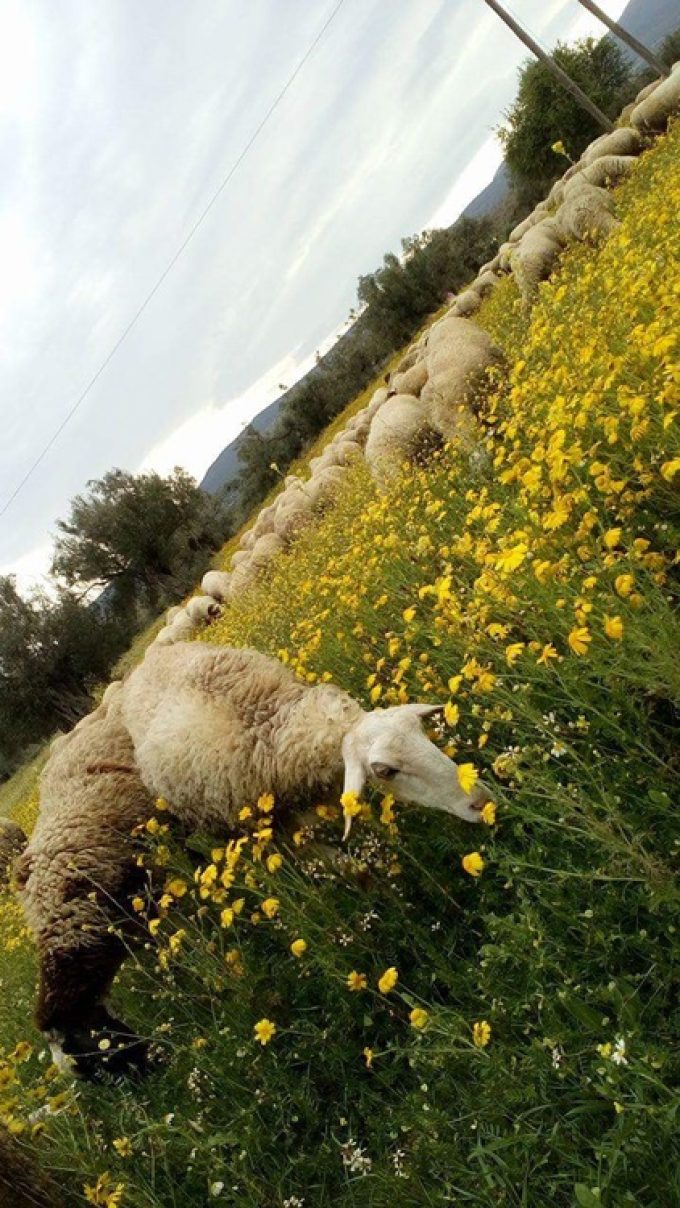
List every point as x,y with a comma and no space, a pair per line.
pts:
490,197
650,21
226,466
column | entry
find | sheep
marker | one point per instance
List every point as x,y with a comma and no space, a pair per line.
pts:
654,111
378,397
608,170
624,141
467,303
216,583
399,431
585,211
504,253
262,730
534,258
200,611
12,843
485,283
325,483
293,514
459,354
76,880
202,608
172,613
412,380
210,729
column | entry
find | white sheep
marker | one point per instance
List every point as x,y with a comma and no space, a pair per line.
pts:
534,258
586,211
467,303
485,283
624,141
459,355
199,612
412,380
210,729
399,431
378,397
216,583
325,483
609,170
75,880
214,727
654,111
172,613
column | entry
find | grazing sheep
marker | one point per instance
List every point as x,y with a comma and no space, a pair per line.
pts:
458,357
504,253
608,170
215,727
412,380
377,399
294,513
485,283
211,729
172,613
467,303
216,583
400,431
624,141
202,608
77,876
325,483
586,211
534,258
12,843
654,111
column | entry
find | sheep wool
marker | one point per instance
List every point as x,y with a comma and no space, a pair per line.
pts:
655,110
458,357
76,877
214,727
399,431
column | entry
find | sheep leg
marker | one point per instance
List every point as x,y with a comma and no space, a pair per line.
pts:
73,1014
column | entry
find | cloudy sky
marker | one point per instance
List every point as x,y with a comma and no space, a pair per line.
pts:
118,122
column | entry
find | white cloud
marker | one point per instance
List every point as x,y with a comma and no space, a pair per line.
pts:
32,569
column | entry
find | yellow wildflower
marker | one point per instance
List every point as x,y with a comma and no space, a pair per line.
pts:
298,947
481,1034
613,628
122,1146
274,862
488,813
264,1031
548,652
467,776
579,639
418,1017
474,864
270,907
388,980
356,981
624,584
670,468
451,714
367,1055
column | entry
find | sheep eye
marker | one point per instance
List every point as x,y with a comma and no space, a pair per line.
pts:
384,771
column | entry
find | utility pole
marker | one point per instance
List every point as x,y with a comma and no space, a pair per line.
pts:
565,80
639,47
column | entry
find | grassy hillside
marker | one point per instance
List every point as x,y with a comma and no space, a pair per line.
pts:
477,1016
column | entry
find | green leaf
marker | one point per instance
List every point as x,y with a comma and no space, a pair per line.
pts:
585,1197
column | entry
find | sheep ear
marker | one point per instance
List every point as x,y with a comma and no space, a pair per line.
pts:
355,777
423,710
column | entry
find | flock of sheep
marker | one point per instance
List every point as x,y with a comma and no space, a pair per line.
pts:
431,396
210,728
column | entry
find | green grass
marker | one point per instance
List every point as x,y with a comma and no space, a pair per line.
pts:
566,942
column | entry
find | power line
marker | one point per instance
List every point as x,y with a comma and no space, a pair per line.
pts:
171,264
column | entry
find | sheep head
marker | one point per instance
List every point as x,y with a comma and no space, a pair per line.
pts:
389,746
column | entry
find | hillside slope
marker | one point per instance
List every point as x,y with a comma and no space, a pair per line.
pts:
523,1055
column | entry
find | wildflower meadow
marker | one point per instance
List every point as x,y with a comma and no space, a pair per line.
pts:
436,1013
